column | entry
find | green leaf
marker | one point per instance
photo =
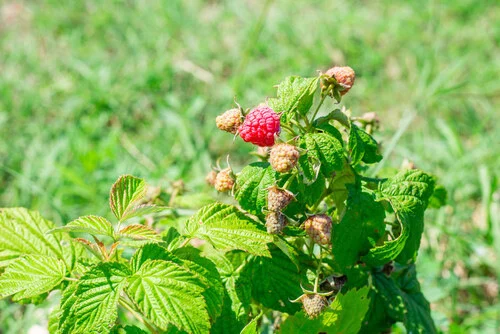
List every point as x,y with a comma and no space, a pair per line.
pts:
362,146
207,271
226,228
409,192
24,232
278,281
359,229
339,187
403,300
252,184
139,232
31,275
94,225
295,94
125,196
322,150
237,294
344,315
168,293
92,304
252,326
439,197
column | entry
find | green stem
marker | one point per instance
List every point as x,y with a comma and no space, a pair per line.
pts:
316,281
317,110
185,242
132,310
372,179
71,279
289,129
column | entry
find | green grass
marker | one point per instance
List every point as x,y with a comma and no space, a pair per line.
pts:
90,90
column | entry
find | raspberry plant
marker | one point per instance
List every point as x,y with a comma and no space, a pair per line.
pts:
312,244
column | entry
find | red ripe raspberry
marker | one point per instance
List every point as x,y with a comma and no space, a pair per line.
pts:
314,304
344,76
319,228
260,126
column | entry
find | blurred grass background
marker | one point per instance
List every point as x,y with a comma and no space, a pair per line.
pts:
93,89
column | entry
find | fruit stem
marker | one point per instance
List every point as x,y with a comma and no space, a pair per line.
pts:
317,110
289,129
316,281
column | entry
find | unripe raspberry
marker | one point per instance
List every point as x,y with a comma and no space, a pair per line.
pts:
275,222
210,178
314,304
344,76
283,157
224,180
319,228
229,121
260,126
278,199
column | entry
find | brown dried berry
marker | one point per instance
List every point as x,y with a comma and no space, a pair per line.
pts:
275,222
278,199
224,180
314,304
230,120
319,228
283,157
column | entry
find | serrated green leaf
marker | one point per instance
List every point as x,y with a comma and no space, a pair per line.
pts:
321,149
362,146
24,232
125,195
252,184
168,293
403,300
91,306
227,228
189,258
359,229
344,315
295,94
287,249
207,270
30,276
139,232
94,225
278,281
409,192
237,294
251,327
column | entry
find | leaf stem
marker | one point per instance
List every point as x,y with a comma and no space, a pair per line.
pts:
185,242
131,309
